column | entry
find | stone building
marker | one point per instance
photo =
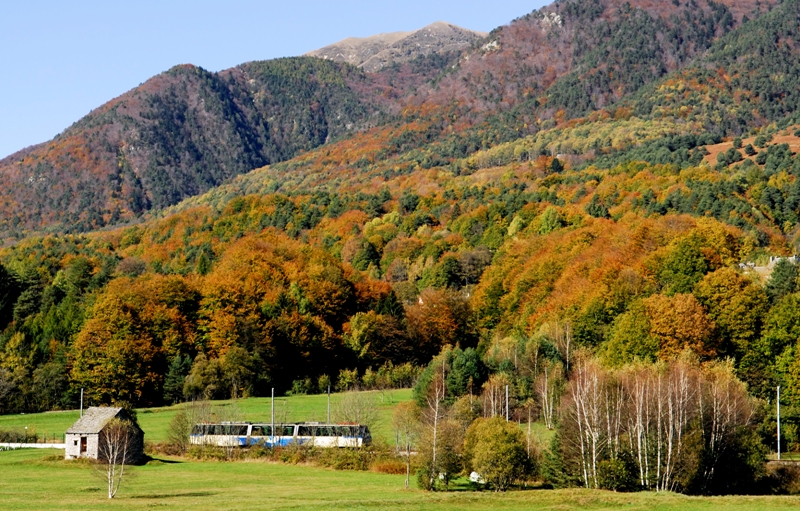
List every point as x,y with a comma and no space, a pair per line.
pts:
85,438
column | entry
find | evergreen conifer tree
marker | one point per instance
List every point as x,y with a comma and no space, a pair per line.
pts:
176,375
783,280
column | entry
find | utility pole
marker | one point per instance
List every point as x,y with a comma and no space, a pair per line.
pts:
272,443
329,403
779,422
81,402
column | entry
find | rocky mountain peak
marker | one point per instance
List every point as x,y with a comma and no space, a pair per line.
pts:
375,52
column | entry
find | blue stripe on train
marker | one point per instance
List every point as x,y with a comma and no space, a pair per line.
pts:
265,441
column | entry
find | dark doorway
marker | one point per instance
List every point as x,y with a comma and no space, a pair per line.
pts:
83,444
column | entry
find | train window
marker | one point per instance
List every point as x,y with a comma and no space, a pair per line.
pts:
265,430
235,429
198,429
222,429
346,431
305,431
316,431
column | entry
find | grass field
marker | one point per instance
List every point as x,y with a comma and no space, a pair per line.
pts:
786,456
38,480
155,421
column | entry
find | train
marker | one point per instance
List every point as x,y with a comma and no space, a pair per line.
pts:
246,434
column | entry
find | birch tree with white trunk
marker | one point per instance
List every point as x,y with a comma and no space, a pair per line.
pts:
114,449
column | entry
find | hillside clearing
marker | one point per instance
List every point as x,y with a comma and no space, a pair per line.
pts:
155,421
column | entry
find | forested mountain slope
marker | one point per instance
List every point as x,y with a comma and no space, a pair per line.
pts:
745,80
179,134
578,56
188,130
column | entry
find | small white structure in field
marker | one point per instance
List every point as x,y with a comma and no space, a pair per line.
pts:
476,478
84,438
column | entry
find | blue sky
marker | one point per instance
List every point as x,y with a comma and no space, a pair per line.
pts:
60,60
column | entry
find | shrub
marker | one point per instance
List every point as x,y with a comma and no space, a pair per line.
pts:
424,481
784,479
294,454
345,459
323,383
301,387
763,139
395,467
348,378
180,428
617,475
208,453
495,449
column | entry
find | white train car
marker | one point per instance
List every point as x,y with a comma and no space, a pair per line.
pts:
226,434
333,435
244,434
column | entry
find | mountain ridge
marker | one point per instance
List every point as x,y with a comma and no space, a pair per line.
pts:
187,130
183,132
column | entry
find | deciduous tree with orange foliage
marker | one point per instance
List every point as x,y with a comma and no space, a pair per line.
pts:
440,317
121,353
737,305
679,323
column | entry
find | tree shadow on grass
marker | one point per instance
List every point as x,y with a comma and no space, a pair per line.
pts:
463,484
149,460
460,484
175,495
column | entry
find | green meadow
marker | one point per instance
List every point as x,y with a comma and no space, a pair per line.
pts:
39,480
34,479
155,421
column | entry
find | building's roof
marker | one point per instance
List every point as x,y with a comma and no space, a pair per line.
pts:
93,420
